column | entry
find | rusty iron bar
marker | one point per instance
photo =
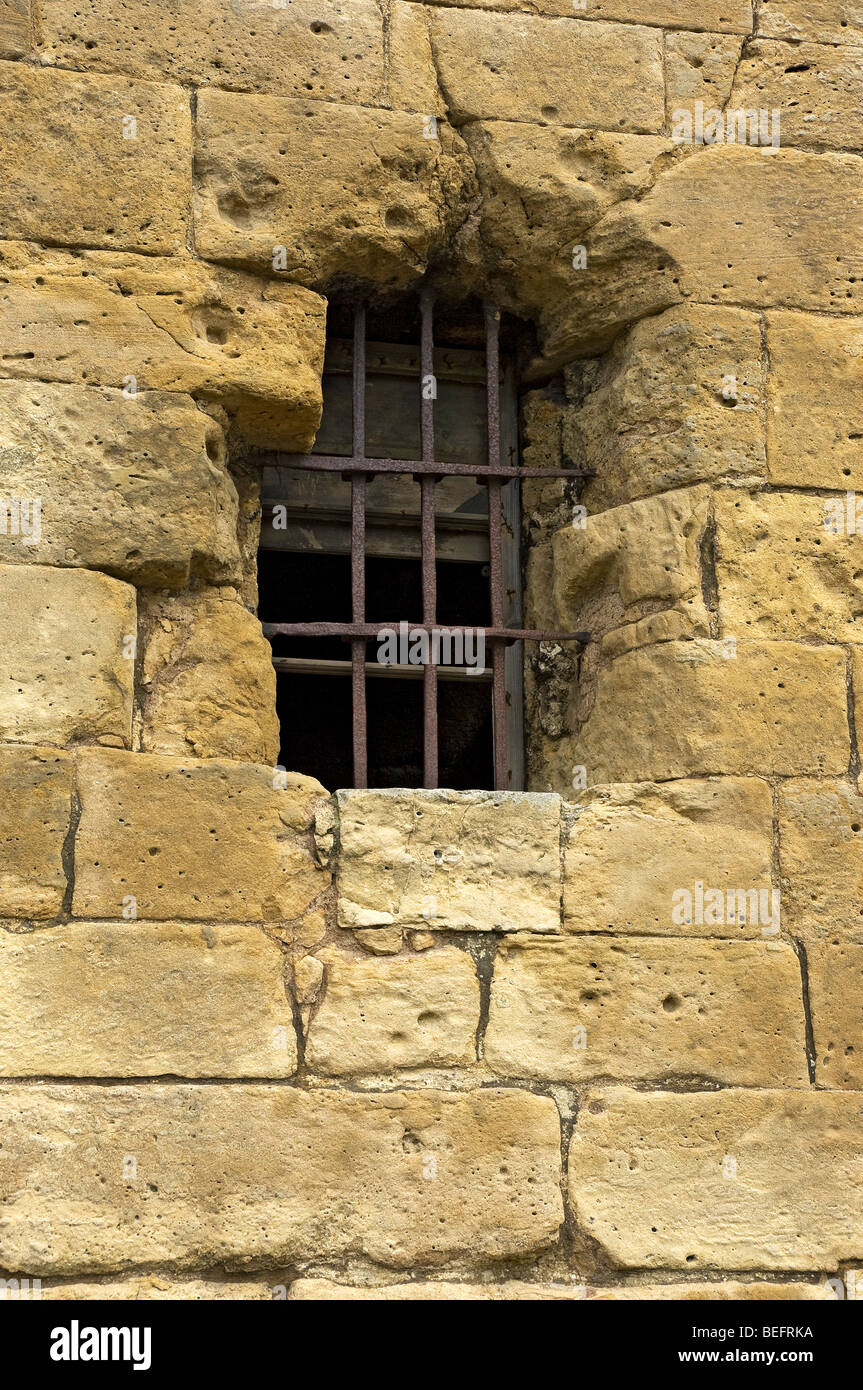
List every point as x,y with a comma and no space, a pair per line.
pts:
428,481
366,630
495,535
337,463
358,554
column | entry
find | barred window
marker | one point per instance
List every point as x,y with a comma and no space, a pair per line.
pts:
389,568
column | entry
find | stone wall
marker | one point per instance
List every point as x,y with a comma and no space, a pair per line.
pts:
598,1040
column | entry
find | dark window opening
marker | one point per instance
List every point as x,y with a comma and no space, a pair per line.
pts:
361,562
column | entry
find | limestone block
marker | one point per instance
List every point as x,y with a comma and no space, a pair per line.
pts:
815,403
735,17
108,319
821,857
412,81
699,67
632,847
67,658
135,485
274,1175
644,1009
209,688
642,553
818,90
835,993
526,68
114,160
732,222
36,802
678,401
156,1288
188,839
510,1290
722,1178
342,189
542,188
313,48
830,21
129,999
680,709
781,572
475,861
380,1014
15,28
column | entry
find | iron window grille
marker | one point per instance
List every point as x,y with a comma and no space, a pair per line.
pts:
427,471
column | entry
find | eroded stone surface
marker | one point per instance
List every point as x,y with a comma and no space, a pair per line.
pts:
36,805
94,134
317,48
782,571
835,992
817,91
719,1179
274,1175
341,189
382,1014
136,485
475,861
518,67
136,999
67,658
715,708
830,21
209,688
510,1290
178,838
15,28
647,1009
821,856
815,407
157,323
632,847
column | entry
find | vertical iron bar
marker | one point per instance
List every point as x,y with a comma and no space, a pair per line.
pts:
427,537
495,522
358,553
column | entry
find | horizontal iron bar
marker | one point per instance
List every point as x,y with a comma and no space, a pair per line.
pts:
336,463
307,666
348,630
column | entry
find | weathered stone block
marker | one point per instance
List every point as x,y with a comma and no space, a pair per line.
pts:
36,798
831,21
817,89
135,486
680,709
720,1179
526,68
736,16
67,659
679,401
108,319
114,159
314,48
781,572
209,688
156,1288
821,857
836,992
188,839
632,847
815,402
475,861
699,67
762,244
274,1175
629,560
645,1009
381,1014
129,999
341,189
510,1290
15,28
